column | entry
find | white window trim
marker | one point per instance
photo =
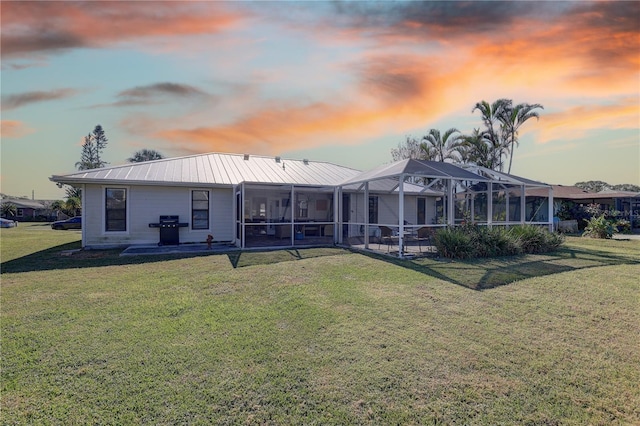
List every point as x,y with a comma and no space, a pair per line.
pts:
191,230
103,215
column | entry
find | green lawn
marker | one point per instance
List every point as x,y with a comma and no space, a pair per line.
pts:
317,336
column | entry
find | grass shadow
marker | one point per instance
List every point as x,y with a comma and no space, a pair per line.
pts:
71,256
479,274
484,274
241,259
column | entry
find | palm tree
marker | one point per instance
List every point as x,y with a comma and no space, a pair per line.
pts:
441,147
72,206
478,149
514,117
73,192
56,207
145,155
8,209
491,115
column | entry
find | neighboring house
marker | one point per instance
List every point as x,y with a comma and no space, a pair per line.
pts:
626,202
258,201
26,209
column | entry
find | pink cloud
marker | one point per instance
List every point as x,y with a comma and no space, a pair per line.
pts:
13,129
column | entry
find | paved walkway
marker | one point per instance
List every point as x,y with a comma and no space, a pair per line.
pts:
626,236
180,249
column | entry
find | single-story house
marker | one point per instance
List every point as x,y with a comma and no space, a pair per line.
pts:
626,202
259,201
26,209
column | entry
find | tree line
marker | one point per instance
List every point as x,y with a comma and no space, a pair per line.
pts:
490,146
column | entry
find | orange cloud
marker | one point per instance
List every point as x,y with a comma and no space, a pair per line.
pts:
577,122
32,27
419,63
391,94
13,129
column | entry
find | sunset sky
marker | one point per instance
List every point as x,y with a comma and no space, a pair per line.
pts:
343,82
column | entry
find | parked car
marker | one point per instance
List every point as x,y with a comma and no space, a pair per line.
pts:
7,223
73,223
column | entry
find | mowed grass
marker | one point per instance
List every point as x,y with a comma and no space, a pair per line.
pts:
317,336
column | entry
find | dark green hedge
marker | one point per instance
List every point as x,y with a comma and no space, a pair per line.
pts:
473,241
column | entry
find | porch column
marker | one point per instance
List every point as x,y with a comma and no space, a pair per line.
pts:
523,204
401,216
473,207
450,212
506,191
242,224
293,212
550,209
490,204
366,215
337,206
83,229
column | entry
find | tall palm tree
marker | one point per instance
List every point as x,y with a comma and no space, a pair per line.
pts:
478,149
145,155
441,147
514,117
495,131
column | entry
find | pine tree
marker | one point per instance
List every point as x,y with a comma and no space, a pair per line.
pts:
92,147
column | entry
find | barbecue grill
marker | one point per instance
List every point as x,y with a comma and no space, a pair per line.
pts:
169,226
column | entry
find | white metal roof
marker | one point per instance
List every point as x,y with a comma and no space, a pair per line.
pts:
438,169
412,167
216,169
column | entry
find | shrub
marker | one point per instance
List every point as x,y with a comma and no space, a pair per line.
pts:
599,227
533,239
623,226
490,242
454,243
475,241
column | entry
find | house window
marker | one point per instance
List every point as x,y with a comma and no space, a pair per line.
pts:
19,212
115,209
199,209
373,209
422,211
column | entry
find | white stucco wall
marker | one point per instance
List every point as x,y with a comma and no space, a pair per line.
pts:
145,204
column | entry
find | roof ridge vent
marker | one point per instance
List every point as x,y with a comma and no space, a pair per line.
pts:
278,159
305,161
246,157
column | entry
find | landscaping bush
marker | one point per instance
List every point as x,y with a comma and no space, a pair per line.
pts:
475,241
454,243
623,226
492,242
533,239
599,227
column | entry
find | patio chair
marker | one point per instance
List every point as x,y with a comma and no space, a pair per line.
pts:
425,236
386,236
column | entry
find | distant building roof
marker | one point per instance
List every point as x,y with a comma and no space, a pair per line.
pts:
575,193
23,203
